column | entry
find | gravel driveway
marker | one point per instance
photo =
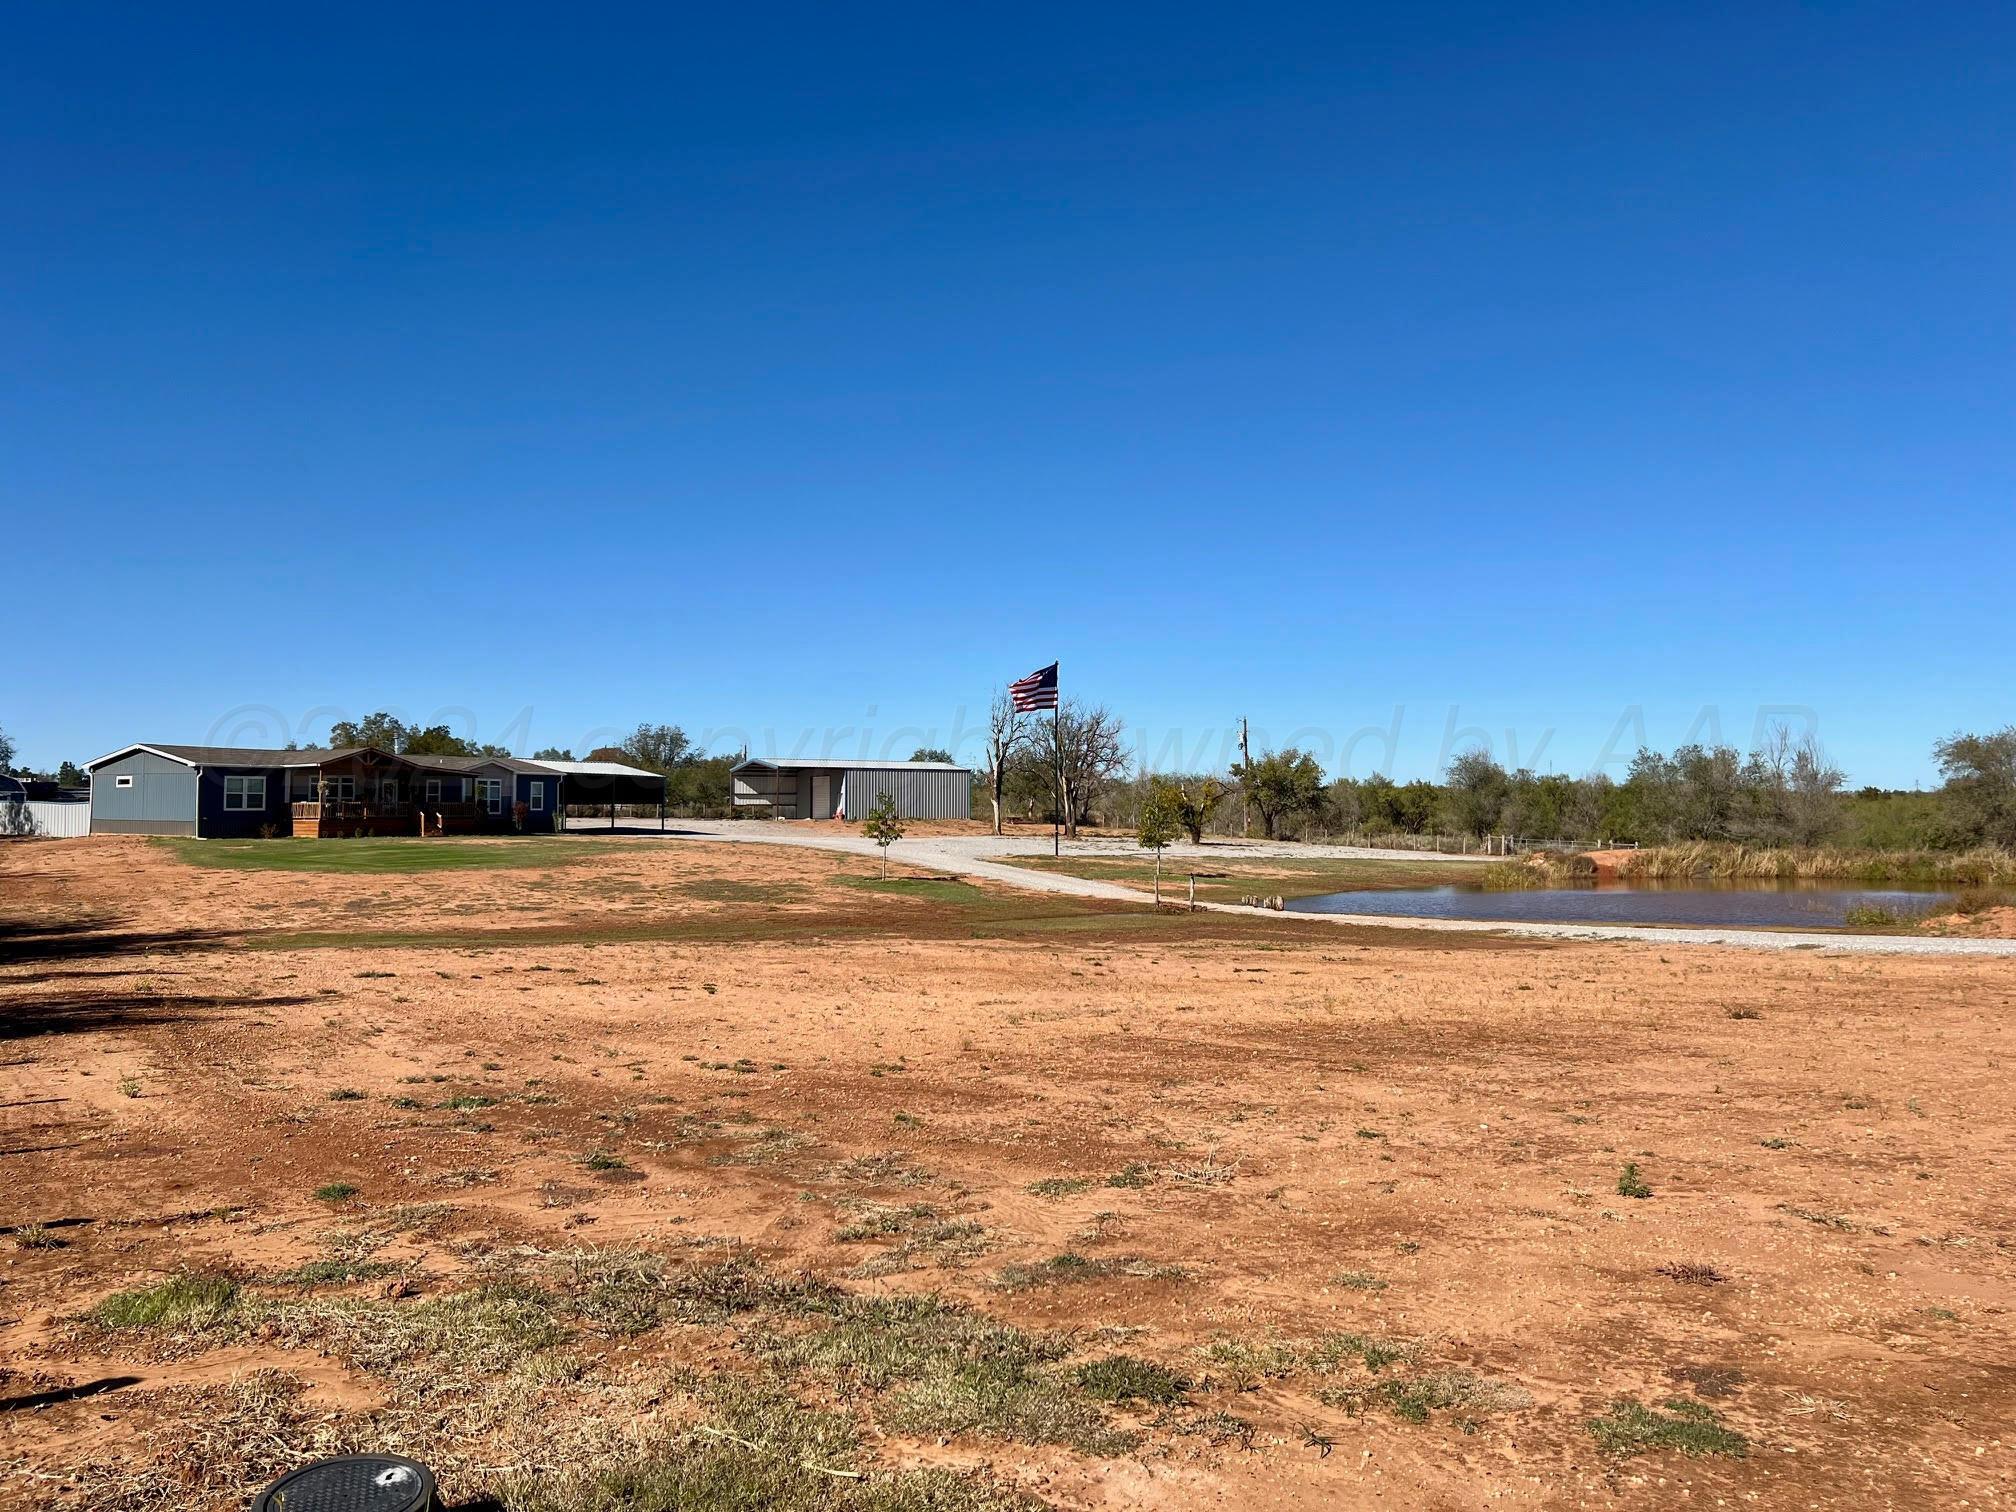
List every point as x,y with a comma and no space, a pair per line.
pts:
974,856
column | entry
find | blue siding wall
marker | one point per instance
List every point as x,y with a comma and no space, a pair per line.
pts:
540,819
221,823
160,801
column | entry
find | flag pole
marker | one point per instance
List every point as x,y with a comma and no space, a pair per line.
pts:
1057,741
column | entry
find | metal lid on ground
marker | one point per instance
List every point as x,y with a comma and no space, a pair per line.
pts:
352,1483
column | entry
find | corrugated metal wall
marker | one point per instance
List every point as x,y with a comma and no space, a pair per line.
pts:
160,801
918,795
58,821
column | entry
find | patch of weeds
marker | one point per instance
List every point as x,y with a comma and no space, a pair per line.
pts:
37,1236
128,1087
762,1148
1359,1281
1745,1013
1066,1268
759,1448
890,1168
346,1094
1824,1220
1122,1378
1691,1273
1776,1143
1132,1175
367,976
335,1191
1630,1183
1203,1173
879,1220
334,1271
1691,1427
1246,1360
467,1102
191,1301
952,1372
1059,1186
1412,1399
603,1160
403,1101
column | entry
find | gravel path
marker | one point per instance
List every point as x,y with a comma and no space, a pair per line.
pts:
972,856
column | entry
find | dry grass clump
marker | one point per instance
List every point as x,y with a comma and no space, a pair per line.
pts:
1982,866
1538,869
942,1369
759,1448
215,1444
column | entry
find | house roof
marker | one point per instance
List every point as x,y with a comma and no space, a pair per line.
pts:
818,764
205,755
315,756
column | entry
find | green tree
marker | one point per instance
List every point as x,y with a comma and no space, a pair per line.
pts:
6,755
1979,798
659,748
931,753
1194,799
1474,792
1280,785
552,753
884,826
1161,823
69,774
435,740
1415,804
381,730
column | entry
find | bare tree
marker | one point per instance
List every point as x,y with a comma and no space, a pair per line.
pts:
1006,735
1083,751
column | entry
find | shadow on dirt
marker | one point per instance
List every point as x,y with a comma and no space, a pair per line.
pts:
28,942
74,1013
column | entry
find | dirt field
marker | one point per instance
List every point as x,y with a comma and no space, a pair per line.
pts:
675,1175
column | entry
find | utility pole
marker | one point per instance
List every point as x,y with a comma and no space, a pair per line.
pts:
1245,765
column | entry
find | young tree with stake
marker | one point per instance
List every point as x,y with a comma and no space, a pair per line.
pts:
884,826
1161,824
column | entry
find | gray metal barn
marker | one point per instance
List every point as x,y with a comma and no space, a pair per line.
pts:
786,788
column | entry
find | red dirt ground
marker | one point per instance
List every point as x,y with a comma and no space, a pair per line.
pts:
1401,1136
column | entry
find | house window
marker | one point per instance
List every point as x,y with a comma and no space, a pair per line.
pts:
339,789
122,782
490,793
244,793
433,789
538,797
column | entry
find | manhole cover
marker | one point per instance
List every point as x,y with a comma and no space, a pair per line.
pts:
354,1483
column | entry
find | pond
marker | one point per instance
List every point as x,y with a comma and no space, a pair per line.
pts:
1735,905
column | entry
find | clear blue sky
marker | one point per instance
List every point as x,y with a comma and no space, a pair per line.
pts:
782,370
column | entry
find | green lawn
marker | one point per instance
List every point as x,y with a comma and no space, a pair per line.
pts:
1289,876
400,854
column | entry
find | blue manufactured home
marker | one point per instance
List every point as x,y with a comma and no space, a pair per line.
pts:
236,791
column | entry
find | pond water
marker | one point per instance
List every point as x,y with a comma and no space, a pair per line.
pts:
1736,905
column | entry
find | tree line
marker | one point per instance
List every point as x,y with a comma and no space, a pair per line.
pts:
1785,793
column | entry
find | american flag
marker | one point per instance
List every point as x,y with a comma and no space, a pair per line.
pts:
1036,691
